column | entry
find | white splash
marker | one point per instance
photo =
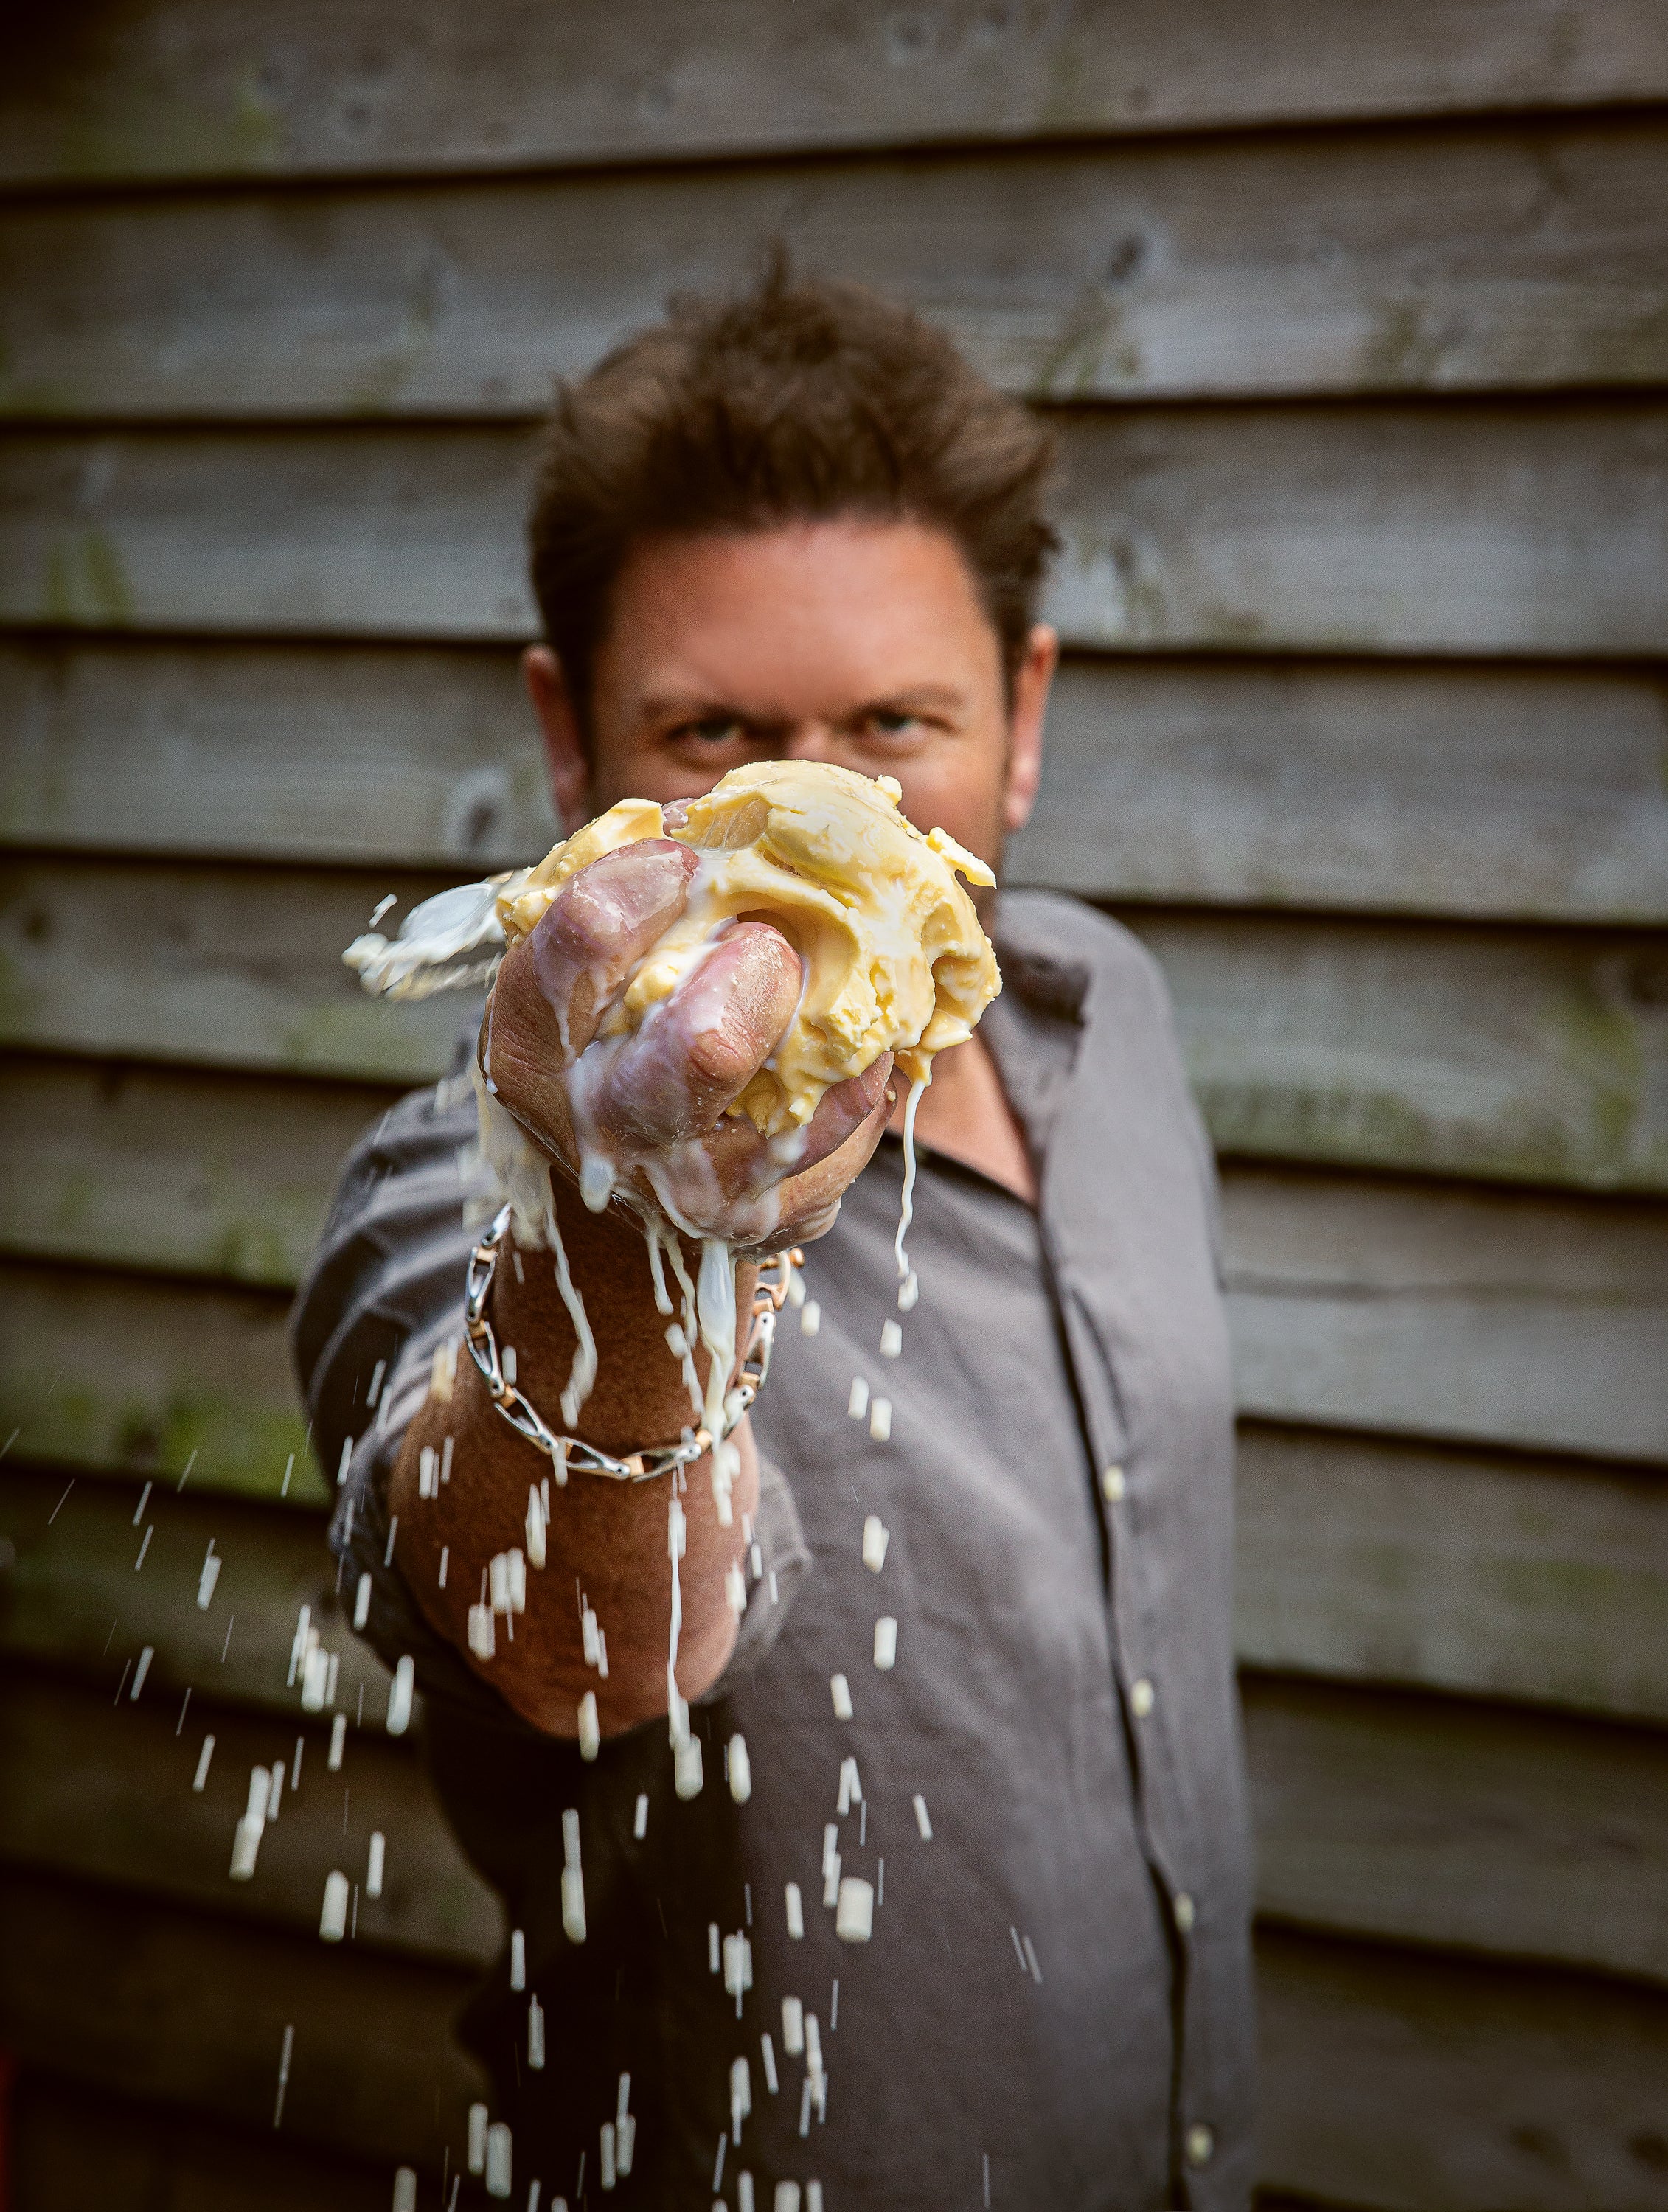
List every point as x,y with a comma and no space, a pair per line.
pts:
522,1175
906,1213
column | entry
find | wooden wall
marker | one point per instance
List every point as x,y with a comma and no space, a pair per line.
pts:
1356,323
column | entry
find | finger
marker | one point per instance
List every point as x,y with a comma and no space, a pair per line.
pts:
699,1050
600,924
746,1170
746,1165
843,1109
809,1201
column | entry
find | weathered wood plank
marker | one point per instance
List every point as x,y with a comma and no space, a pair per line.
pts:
75,1602
1440,1822
1532,1578
228,1175
1524,1056
71,2145
399,533
1423,2084
102,1793
179,2007
1490,1316
1433,268
224,1175
1529,1578
1448,2084
1533,1323
1385,530
1518,530
1533,1057
405,755
1437,1821
1480,792
234,967
1446,1312
1423,1820
216,88
113,1372
1489,792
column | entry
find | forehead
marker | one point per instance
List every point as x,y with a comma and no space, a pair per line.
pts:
807,614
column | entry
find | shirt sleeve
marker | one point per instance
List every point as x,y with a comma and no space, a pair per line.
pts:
384,1289
786,1558
391,1258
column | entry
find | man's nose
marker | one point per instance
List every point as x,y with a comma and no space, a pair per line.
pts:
813,741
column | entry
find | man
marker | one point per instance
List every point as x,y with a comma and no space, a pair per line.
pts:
797,524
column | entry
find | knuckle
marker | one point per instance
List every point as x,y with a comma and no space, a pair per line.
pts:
718,1056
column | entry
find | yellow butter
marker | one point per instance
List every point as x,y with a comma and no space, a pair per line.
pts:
895,960
523,899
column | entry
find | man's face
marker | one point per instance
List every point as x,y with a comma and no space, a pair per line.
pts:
858,643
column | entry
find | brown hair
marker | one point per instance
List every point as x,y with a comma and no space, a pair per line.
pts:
797,401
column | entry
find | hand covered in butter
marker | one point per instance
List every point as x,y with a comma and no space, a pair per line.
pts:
642,1111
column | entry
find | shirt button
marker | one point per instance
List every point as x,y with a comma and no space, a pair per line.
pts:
1140,1696
1200,2144
1183,1909
1111,1484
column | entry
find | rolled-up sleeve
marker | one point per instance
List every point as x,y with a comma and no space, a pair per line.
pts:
383,1290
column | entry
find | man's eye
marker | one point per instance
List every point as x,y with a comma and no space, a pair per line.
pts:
889,723
710,729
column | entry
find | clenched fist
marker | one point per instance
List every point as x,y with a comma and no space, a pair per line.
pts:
647,1111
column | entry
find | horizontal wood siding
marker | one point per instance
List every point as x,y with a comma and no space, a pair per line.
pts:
123,1813
1435,1820
78,1605
1425,1310
1359,1558
1373,787
1357,263
1398,2079
99,1172
75,2145
183,2007
1354,327
1520,530
1485,792
218,89
1524,1055
1532,1577
143,1375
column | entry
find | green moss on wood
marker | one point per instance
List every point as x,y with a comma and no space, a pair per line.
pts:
240,1446
84,581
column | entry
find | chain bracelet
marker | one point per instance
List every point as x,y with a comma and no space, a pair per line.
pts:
572,1452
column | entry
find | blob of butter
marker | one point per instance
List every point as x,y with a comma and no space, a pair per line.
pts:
895,960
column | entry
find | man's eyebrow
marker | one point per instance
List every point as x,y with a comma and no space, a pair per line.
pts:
923,695
702,707
697,706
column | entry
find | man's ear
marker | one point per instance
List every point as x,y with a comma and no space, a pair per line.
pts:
564,747
1032,680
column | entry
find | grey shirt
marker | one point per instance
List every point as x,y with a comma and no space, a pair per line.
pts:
1054,2005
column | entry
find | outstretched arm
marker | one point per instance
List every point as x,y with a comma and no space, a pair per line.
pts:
660,1102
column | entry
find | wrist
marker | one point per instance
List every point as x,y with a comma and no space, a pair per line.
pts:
640,1397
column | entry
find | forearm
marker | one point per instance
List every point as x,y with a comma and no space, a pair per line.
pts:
609,1536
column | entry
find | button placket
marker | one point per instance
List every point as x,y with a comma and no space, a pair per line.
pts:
1108,1439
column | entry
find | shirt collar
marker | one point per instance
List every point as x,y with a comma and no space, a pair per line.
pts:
1034,969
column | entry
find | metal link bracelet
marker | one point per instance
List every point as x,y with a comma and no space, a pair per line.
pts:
572,1452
